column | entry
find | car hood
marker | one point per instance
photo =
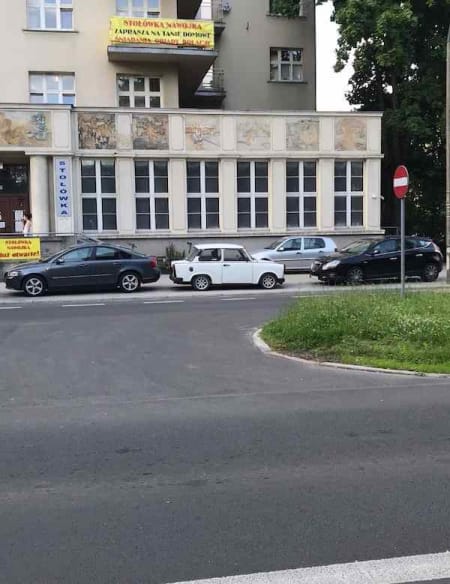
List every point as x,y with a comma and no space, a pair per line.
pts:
25,266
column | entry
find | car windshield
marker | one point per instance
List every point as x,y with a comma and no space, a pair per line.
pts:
275,244
357,247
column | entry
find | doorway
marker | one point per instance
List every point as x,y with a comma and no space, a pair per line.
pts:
14,198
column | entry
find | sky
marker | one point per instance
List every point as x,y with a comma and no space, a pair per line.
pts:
331,86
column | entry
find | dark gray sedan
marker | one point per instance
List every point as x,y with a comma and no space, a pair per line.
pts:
88,266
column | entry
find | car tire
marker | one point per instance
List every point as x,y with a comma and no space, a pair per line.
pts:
129,282
355,276
34,286
201,283
268,281
430,272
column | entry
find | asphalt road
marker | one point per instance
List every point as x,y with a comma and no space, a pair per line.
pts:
154,444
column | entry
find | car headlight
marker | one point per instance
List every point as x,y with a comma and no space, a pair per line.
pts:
13,274
331,265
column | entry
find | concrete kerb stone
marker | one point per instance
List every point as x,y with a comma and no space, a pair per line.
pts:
267,350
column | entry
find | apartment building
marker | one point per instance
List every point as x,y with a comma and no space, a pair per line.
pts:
155,121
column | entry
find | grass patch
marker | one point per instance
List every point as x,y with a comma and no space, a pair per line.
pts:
374,329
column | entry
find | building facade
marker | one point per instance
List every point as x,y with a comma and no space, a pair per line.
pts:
115,134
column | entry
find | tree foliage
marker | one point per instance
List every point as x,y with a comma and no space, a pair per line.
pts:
398,49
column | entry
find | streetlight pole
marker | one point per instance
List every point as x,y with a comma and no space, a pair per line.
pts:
447,132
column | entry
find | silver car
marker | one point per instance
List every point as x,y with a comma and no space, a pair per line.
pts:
297,253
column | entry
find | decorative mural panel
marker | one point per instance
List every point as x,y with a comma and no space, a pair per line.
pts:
150,132
25,128
302,134
254,134
97,131
350,134
202,133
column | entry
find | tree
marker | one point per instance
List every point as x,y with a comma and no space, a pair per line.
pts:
399,54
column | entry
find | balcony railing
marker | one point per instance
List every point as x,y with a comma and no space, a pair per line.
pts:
211,10
213,81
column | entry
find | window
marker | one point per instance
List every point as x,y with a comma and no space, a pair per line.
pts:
210,255
203,194
387,246
52,88
348,193
107,253
50,14
292,244
138,8
138,91
82,254
253,197
286,65
301,188
98,188
234,255
274,12
314,243
152,199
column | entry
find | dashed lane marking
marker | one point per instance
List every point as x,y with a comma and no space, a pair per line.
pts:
11,307
165,302
82,305
238,299
406,570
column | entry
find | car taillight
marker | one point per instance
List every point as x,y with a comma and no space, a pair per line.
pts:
153,263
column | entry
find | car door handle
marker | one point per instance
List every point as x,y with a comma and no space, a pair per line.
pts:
226,265
299,253
419,255
393,259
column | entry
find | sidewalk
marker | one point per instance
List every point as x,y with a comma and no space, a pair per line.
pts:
296,284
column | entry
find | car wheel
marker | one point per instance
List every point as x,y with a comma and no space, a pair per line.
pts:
268,281
430,273
129,282
34,286
355,276
201,283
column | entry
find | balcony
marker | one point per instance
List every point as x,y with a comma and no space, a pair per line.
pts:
210,93
213,10
188,44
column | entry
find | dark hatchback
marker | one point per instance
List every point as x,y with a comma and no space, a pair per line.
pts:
88,266
380,260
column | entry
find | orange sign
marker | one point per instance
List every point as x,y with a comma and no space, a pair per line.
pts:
26,248
162,31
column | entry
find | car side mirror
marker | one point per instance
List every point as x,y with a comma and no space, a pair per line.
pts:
60,261
280,249
375,252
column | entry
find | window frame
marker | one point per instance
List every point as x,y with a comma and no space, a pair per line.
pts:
301,9
203,196
253,195
147,93
58,6
301,195
349,195
291,63
130,13
99,196
152,195
45,91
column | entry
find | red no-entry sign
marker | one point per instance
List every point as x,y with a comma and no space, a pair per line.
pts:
401,182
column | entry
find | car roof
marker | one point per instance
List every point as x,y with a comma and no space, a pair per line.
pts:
216,245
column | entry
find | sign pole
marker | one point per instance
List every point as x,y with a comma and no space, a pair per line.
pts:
402,240
447,132
401,187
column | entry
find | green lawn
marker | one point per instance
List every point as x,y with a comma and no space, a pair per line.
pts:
374,329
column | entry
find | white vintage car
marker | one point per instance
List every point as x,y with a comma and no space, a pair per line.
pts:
215,264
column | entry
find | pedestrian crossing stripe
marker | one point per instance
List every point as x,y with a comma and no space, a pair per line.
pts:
409,569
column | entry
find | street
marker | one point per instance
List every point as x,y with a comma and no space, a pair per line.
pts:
156,444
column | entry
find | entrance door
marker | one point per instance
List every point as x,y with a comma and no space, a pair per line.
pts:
12,208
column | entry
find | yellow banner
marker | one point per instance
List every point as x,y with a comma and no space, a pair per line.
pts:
26,248
162,31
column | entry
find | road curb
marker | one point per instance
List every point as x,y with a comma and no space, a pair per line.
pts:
267,350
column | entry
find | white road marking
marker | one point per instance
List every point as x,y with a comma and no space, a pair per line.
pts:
165,302
237,299
11,307
81,305
390,571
